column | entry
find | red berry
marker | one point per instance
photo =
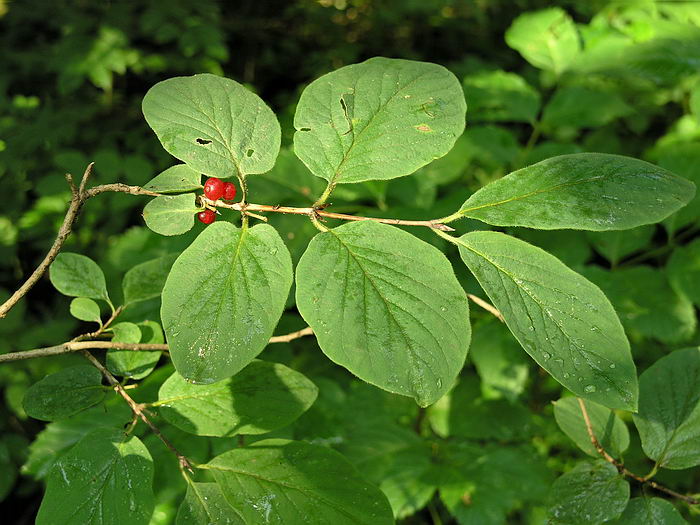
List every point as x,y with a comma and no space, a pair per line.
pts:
229,191
214,188
206,216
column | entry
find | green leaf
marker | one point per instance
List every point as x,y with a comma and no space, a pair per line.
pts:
500,96
277,481
130,363
171,215
380,119
387,306
582,191
64,393
583,107
615,245
562,320
260,398
58,437
85,309
8,472
205,503
669,410
223,298
213,124
547,39
650,511
607,427
646,303
593,492
146,280
477,480
684,271
78,276
106,475
176,179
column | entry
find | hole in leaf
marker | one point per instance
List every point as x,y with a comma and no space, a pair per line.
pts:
203,141
249,153
304,129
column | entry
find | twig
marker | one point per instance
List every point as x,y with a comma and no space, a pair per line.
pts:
245,208
487,306
292,336
621,467
137,409
78,198
75,345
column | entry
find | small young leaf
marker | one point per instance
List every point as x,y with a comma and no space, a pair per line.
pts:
176,179
135,364
106,475
593,492
213,124
669,425
85,309
562,320
387,306
223,298
280,481
78,276
547,39
205,503
608,428
582,191
380,119
171,215
146,280
260,398
650,511
64,393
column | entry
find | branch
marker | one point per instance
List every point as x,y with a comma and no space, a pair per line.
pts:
74,346
311,212
621,467
137,409
487,306
78,198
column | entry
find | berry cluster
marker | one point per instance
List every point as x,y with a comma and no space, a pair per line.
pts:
216,189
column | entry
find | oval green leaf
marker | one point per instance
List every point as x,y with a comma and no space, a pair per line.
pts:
176,179
135,364
171,215
205,503
593,492
547,39
610,431
85,309
386,306
105,476
581,191
281,482
146,280
380,119
669,425
561,319
650,511
260,398
78,276
64,393
223,298
213,124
